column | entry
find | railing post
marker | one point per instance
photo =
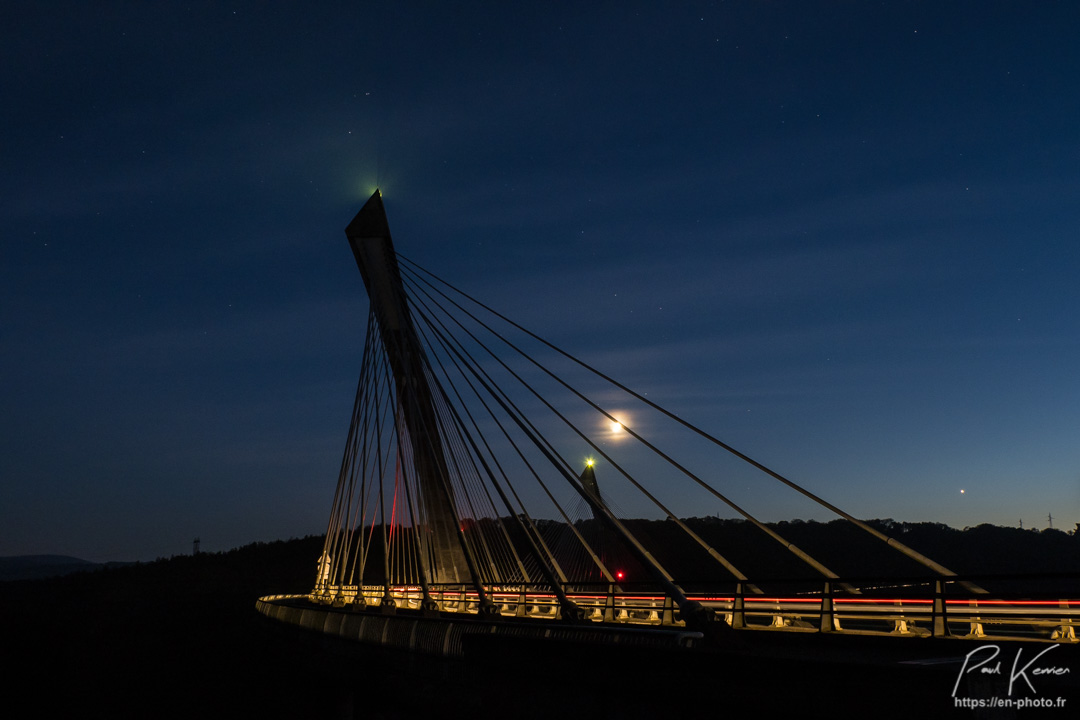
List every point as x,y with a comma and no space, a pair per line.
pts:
1065,632
668,618
738,613
485,608
609,604
826,624
941,621
976,626
519,611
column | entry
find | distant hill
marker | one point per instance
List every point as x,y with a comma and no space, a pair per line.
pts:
38,567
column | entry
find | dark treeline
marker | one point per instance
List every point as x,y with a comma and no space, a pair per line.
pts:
180,637
852,552
841,546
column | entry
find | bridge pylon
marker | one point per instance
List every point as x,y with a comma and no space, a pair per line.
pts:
369,238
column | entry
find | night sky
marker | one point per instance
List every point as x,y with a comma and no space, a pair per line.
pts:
840,236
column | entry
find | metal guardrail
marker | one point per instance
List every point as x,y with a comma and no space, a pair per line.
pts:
917,607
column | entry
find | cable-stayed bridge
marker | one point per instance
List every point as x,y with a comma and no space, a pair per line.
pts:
490,485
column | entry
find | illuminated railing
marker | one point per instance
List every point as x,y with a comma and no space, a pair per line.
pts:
918,607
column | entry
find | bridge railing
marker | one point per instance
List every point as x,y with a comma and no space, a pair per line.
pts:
918,606
952,606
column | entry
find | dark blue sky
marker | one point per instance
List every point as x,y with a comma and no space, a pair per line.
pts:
840,236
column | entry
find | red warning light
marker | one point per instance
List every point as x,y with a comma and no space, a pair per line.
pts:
618,574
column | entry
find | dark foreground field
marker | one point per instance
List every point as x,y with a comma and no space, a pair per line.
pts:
181,638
